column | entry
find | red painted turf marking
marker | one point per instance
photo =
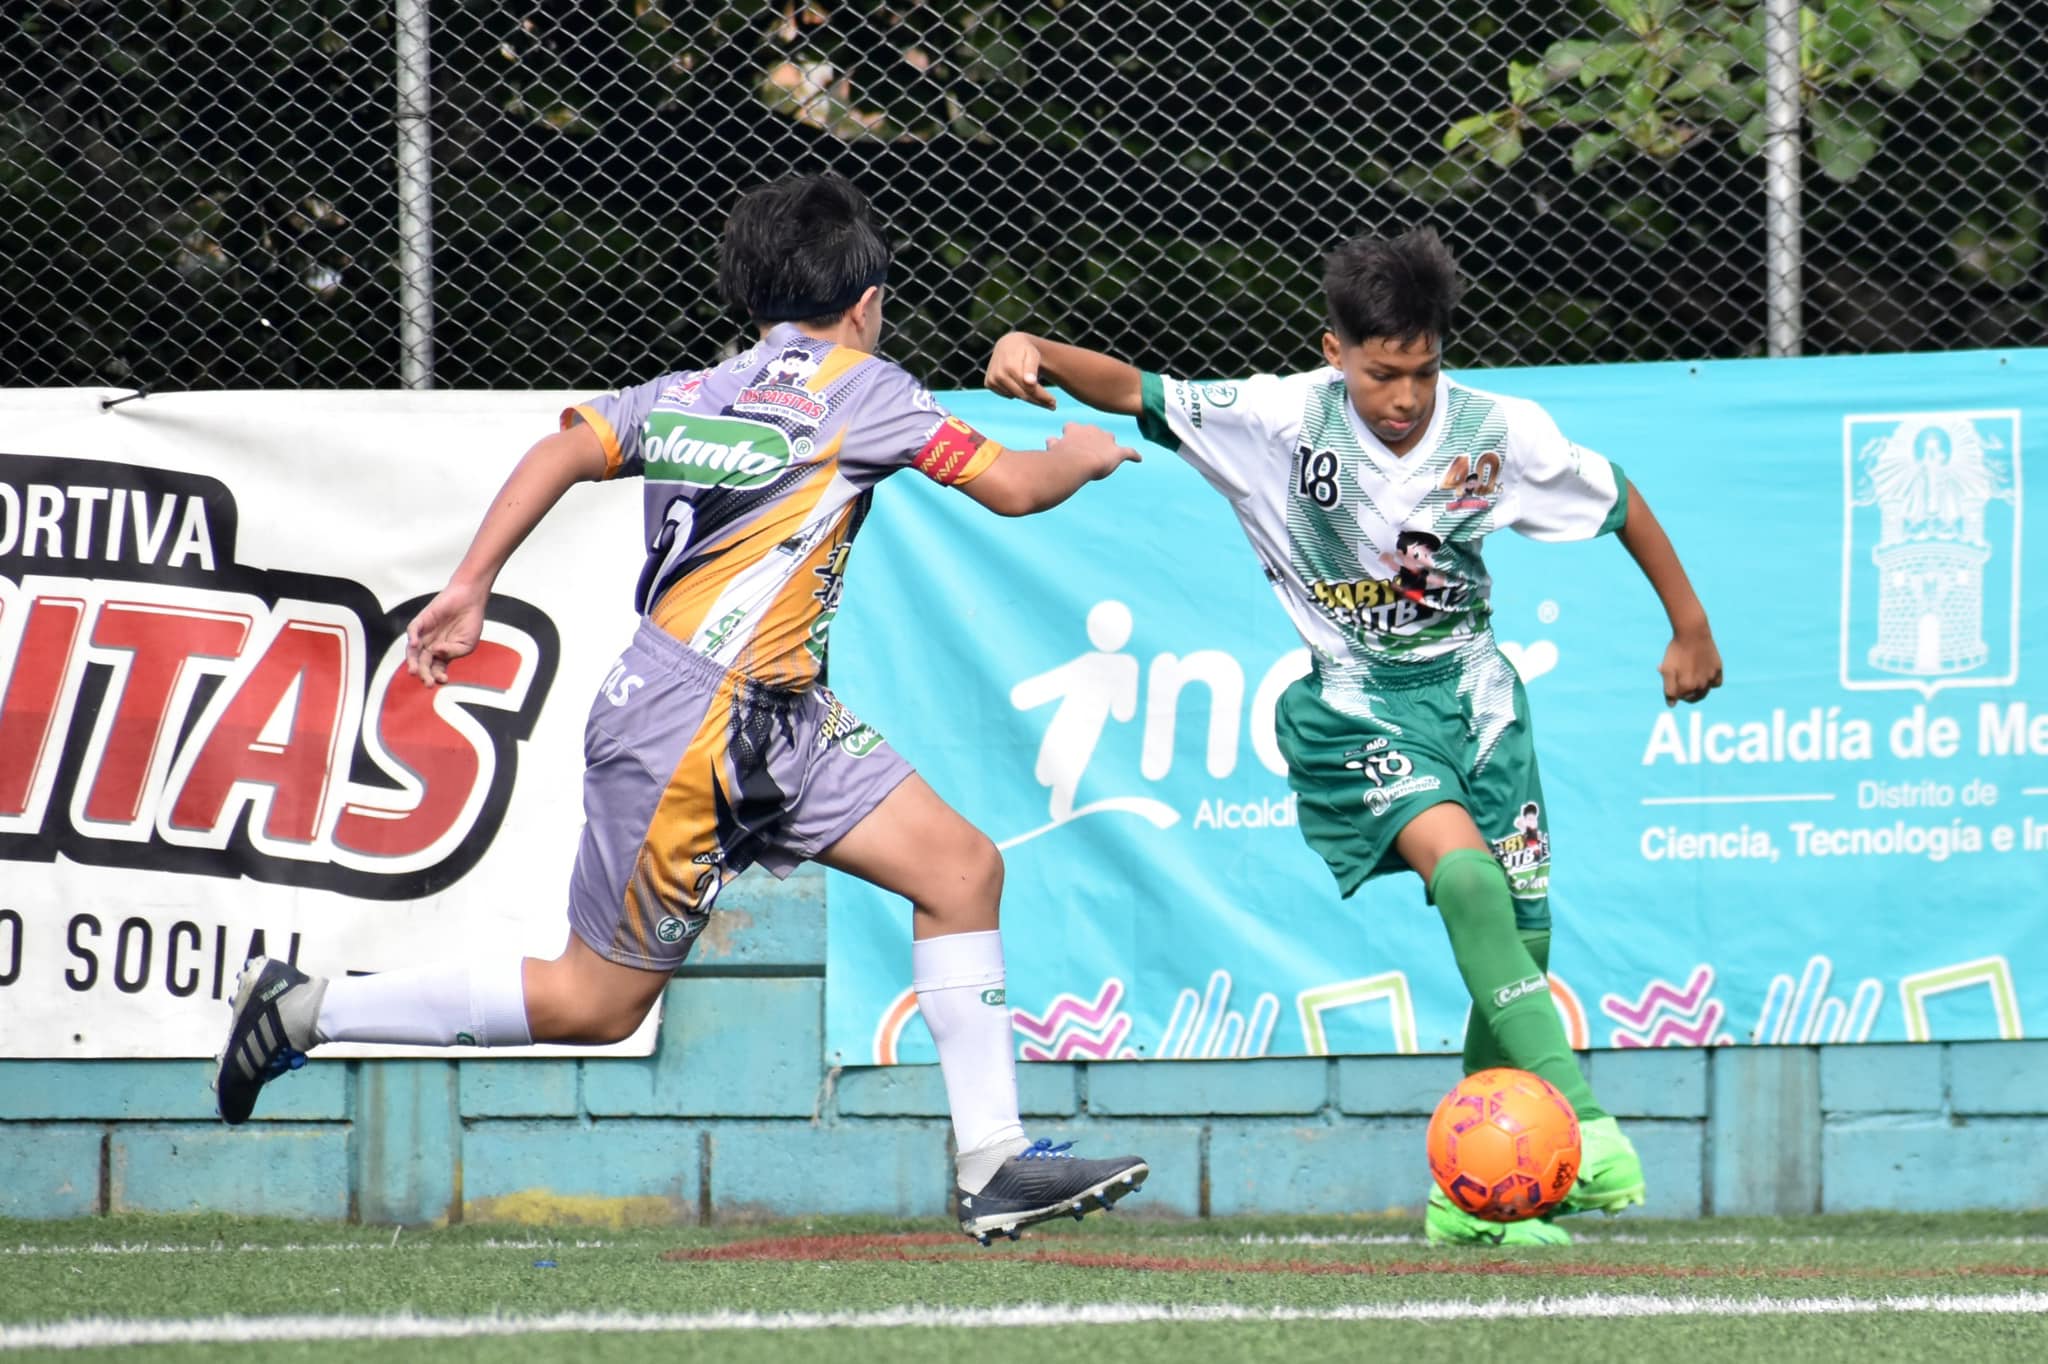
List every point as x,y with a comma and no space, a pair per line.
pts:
930,1246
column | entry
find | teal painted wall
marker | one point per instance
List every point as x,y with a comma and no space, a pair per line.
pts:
737,1114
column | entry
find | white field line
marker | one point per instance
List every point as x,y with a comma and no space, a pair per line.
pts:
100,1332
251,1247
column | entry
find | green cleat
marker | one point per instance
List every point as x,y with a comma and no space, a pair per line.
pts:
1446,1224
1610,1172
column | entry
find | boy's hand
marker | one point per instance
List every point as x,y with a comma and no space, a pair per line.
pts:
446,628
1013,371
1095,447
1691,667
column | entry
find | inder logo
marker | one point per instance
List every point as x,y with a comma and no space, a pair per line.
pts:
1931,550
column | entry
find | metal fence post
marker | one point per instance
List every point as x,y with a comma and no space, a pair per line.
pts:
414,108
1782,147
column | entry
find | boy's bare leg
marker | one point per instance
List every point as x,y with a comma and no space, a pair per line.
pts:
915,845
583,997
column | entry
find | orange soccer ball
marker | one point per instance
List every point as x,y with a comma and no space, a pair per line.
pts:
1504,1145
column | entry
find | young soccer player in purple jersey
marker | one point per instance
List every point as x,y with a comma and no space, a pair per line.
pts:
715,744
1366,488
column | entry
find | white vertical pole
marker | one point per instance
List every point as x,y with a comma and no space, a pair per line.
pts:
415,196
1782,147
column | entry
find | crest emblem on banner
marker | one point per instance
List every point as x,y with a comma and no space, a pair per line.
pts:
1930,550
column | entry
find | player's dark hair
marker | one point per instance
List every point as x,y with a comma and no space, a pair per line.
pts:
1397,289
1417,537
801,249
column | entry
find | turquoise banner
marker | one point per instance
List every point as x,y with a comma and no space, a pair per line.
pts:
1848,842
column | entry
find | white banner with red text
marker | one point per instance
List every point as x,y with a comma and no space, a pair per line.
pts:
209,745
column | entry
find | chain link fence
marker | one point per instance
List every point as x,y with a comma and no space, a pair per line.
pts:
210,194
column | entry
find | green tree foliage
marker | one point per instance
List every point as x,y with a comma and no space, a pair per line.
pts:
1669,72
201,193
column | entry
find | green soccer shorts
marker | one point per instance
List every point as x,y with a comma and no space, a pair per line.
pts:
1365,757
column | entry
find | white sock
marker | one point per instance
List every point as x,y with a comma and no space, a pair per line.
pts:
959,982
436,1006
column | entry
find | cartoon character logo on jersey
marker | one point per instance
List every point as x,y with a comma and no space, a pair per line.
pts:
1414,563
793,368
1418,594
781,390
1474,482
1525,854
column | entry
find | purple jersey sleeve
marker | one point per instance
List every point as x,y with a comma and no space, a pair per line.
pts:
895,422
620,418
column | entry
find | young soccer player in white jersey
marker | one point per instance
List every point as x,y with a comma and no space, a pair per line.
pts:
719,747
1366,488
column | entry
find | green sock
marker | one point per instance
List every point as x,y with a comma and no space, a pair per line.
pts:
1481,1051
1510,993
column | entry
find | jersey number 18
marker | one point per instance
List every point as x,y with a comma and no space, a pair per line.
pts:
1319,477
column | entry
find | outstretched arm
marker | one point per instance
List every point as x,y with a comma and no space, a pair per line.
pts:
1021,365
1021,482
450,625
1692,664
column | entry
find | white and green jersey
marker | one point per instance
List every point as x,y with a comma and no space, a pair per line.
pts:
1376,556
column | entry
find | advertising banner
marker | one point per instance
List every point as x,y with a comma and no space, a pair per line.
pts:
1848,842
209,746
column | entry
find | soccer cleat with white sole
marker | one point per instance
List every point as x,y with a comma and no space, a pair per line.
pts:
1041,1182
276,1008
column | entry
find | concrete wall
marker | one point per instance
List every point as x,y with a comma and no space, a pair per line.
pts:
736,1114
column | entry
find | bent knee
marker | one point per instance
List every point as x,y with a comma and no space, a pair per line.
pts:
964,885
1468,882
985,866
565,1006
590,1023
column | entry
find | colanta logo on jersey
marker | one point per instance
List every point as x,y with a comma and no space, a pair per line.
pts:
164,706
713,452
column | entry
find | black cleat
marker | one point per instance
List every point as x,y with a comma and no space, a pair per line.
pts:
275,1008
1041,1182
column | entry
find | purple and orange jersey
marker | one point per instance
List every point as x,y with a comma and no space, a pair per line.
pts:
758,474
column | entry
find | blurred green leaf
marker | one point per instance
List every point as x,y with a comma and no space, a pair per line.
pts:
1633,13
1590,148
1845,135
1754,133
1946,20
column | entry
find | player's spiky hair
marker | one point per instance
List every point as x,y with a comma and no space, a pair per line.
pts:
1399,289
801,249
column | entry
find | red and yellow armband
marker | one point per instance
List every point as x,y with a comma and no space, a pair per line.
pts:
955,453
